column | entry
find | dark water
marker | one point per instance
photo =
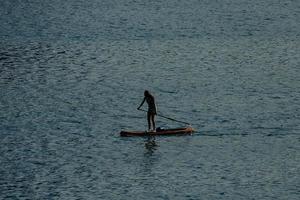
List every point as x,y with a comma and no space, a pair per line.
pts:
73,72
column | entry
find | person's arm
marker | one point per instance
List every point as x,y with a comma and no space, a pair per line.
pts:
141,103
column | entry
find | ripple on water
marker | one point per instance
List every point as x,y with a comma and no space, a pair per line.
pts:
68,88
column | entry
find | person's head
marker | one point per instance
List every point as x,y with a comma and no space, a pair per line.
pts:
146,93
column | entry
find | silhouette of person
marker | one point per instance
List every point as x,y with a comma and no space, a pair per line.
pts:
152,111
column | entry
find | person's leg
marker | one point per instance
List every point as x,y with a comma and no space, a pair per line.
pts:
153,121
148,119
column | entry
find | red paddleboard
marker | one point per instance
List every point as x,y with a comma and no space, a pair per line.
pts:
161,132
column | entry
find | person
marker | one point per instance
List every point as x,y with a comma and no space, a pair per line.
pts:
152,111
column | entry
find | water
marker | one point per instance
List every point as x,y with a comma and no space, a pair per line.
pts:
73,72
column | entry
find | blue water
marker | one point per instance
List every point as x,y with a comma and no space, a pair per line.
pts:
72,74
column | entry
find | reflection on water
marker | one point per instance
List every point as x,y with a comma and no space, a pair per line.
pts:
150,145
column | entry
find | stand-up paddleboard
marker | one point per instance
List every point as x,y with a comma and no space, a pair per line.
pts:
160,132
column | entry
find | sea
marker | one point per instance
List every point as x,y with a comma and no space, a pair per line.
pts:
73,72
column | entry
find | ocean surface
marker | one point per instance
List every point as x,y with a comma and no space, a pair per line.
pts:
73,72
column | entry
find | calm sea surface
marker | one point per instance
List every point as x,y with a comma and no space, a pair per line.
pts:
72,74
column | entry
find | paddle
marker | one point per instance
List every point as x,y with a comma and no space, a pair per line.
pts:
169,118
